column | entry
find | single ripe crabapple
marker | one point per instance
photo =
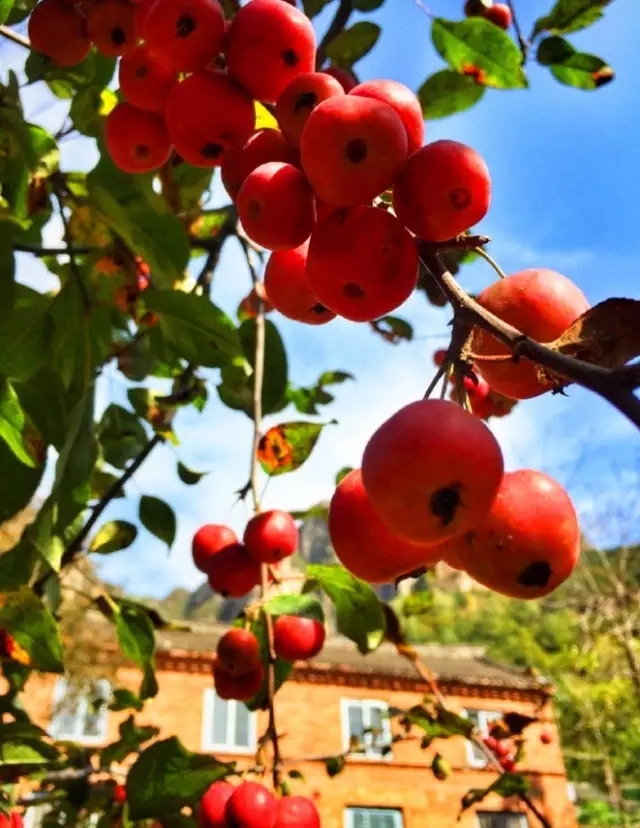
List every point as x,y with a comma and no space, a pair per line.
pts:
477,8
500,14
546,738
364,544
530,541
207,115
439,356
271,536
300,98
188,34
442,190
248,307
145,78
288,289
269,43
276,206
297,638
208,541
351,148
539,302
240,688
47,20
111,26
421,471
11,820
251,804
238,651
120,794
137,141
263,146
297,812
362,263
212,805
403,101
233,572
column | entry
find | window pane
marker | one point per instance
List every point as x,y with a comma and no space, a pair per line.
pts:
220,716
360,820
65,718
356,724
501,819
374,818
241,736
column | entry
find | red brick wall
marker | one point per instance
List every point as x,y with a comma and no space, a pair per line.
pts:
309,717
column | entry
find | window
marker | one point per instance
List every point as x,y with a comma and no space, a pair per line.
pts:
373,818
43,816
227,725
80,714
501,819
481,719
366,729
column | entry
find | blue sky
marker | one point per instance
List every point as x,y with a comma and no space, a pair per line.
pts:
565,168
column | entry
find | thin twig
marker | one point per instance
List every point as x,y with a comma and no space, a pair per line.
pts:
258,382
522,41
69,249
492,262
337,25
607,383
5,31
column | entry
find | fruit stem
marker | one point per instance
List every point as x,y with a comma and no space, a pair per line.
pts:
5,31
258,380
612,385
491,261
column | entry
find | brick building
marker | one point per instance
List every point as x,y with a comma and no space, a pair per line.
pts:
339,695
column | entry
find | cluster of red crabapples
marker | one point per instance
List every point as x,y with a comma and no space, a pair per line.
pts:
234,569
497,13
252,805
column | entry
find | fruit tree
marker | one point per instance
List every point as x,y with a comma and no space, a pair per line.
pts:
342,210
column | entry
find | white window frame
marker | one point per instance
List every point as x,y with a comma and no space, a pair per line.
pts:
349,815
208,745
371,753
524,822
59,692
485,718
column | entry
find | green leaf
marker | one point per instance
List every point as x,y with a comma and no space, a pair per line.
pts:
7,271
46,401
25,339
18,484
435,722
167,776
344,471
195,328
570,16
5,10
132,737
34,628
506,785
573,68
89,109
307,400
313,7
334,765
210,222
367,5
189,476
94,70
21,743
393,329
360,616
42,535
478,47
124,699
159,518
113,537
12,424
305,606
285,447
447,92
121,434
352,44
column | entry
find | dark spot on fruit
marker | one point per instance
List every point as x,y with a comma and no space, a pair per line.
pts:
141,71
262,445
353,291
319,309
460,198
212,150
537,574
185,26
254,210
118,36
356,151
444,503
305,101
141,151
289,57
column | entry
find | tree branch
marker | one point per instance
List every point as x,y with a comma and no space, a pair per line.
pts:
258,381
609,384
5,31
68,249
522,40
337,25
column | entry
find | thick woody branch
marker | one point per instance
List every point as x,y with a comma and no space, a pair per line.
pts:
612,385
337,25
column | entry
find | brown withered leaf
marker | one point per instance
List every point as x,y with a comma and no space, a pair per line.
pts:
607,335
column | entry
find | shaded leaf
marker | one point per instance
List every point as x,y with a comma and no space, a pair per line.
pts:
573,68
285,447
353,43
307,400
124,699
132,737
570,16
23,616
189,476
318,510
305,606
334,765
481,49
393,329
167,776
359,611
159,518
434,721
313,7
113,537
506,785
517,722
447,92
25,337
608,335
103,482
344,471
121,434
367,5
17,565
89,109
47,402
